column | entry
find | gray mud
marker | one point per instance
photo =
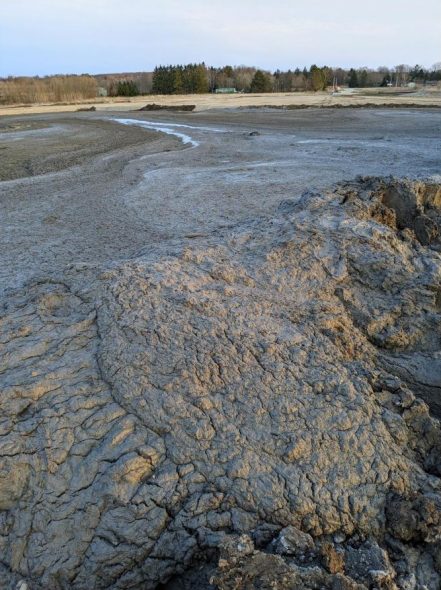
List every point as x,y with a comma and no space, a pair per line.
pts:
211,377
93,190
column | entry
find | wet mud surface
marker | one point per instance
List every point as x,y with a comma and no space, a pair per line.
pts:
84,188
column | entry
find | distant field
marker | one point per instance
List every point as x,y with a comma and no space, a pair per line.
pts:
347,98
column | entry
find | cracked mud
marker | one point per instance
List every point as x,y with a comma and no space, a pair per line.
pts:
254,407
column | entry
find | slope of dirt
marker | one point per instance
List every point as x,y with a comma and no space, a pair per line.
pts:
245,411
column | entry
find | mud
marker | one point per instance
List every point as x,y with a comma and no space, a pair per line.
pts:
33,148
215,372
245,410
87,189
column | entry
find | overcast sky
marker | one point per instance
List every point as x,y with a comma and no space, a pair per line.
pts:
97,36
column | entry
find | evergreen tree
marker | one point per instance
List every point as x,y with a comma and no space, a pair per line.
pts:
353,79
363,79
179,79
195,79
127,88
318,78
228,71
417,73
159,85
261,82
176,82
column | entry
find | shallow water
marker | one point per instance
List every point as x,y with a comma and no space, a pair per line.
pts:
163,128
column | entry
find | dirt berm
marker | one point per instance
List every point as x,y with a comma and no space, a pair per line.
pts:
256,410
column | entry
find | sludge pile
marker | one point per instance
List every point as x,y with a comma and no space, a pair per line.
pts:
247,411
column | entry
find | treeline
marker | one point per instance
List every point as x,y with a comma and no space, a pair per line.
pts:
188,79
125,84
25,90
398,76
123,88
197,78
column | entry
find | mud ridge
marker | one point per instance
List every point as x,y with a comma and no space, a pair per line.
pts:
255,409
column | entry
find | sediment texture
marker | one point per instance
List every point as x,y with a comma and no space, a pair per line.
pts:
251,409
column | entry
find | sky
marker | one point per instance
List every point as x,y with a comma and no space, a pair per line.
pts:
41,37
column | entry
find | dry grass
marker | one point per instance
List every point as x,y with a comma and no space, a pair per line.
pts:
51,89
205,102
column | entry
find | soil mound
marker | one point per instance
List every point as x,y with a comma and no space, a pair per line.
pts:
163,107
256,408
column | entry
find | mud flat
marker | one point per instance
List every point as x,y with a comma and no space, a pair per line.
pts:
93,190
32,148
221,362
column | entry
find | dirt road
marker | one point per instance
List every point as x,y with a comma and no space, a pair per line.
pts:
85,188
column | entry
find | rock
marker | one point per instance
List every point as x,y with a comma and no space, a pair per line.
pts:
250,569
260,384
416,519
369,563
264,534
292,541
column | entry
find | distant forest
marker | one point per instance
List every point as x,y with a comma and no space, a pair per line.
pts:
199,79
